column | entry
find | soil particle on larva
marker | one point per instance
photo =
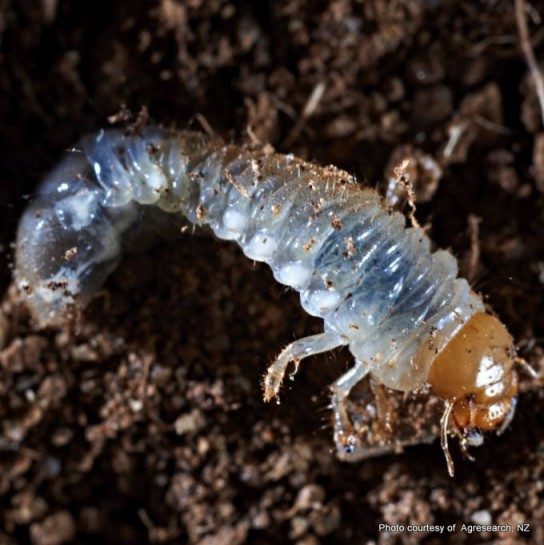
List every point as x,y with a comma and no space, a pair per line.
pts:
143,420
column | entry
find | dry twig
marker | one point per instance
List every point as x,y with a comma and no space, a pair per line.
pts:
530,58
307,112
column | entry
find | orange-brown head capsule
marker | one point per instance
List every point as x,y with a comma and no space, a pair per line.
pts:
474,374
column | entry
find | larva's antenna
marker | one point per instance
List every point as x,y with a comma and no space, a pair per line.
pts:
444,437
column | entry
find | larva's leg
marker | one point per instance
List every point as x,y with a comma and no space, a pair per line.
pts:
295,352
343,429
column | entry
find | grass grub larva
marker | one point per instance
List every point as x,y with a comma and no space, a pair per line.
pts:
407,318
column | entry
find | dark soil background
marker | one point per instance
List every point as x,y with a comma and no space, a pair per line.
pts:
143,422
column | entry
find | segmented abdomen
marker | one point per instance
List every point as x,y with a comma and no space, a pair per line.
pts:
353,262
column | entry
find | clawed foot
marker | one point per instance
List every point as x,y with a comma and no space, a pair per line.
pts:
348,443
272,383
347,440
295,353
274,379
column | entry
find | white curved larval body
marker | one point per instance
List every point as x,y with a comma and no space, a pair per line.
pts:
354,263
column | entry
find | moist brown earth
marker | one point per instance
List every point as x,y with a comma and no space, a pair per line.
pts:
142,421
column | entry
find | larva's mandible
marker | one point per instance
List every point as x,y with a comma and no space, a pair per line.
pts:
405,316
